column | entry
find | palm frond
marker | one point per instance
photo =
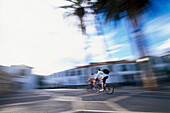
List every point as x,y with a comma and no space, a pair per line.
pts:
115,10
78,10
80,1
72,1
68,14
68,6
77,2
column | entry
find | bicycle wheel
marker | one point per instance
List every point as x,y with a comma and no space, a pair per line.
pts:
89,87
96,88
109,89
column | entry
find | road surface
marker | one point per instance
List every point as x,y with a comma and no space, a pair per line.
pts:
123,100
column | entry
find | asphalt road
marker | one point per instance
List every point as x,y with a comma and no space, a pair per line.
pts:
123,100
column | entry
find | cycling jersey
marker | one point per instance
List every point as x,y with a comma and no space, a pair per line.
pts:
101,73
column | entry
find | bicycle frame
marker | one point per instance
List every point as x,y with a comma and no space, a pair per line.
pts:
108,89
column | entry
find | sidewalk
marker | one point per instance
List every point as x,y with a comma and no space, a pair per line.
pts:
164,87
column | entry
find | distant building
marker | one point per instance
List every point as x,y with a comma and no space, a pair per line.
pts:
6,81
120,72
40,83
166,56
159,67
25,80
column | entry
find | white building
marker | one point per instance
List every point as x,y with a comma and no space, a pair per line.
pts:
6,83
120,72
125,72
26,79
158,66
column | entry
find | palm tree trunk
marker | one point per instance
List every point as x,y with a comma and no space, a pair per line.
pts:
82,26
139,40
101,32
147,76
138,35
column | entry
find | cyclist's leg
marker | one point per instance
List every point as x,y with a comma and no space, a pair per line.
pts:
104,81
95,86
101,78
94,82
109,89
91,84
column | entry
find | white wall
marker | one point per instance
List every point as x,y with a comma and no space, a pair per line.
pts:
27,81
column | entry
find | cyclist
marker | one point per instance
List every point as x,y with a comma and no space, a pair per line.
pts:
92,79
103,77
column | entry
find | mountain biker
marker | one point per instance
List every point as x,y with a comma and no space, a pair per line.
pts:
103,77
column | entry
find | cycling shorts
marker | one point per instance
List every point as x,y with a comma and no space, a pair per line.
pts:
104,79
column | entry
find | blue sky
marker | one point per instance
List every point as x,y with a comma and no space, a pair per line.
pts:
156,25
35,33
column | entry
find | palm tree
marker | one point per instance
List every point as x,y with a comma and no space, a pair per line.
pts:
119,9
115,10
78,10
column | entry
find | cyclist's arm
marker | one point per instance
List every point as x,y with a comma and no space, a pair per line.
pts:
97,75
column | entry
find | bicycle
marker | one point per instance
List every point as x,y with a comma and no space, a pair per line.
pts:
108,88
91,88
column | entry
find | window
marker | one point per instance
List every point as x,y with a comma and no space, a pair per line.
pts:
79,72
62,74
137,67
23,72
153,61
67,73
123,68
158,61
130,67
85,71
110,67
93,70
165,60
73,73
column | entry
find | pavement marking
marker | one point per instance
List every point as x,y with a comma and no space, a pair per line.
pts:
78,104
97,111
118,98
94,101
9,98
63,89
23,103
103,111
123,96
70,111
91,94
12,109
115,106
110,102
65,98
58,98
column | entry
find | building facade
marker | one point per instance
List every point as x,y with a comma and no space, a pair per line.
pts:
25,79
159,67
120,72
